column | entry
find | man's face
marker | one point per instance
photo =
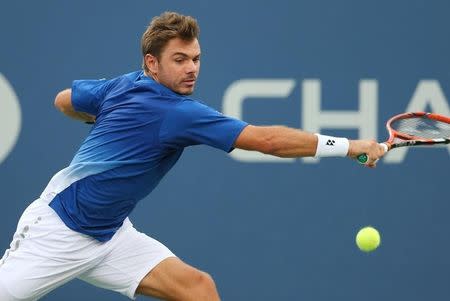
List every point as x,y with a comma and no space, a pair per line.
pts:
178,66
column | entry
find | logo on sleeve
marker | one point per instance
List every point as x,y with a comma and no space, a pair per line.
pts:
11,119
331,142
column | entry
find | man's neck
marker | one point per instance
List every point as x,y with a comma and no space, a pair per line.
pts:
151,76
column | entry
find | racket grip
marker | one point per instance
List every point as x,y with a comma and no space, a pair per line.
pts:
363,158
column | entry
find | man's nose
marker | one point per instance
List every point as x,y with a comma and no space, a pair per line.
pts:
192,67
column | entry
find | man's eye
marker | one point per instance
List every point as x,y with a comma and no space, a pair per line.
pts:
179,60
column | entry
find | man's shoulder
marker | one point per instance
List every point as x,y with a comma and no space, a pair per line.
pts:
193,106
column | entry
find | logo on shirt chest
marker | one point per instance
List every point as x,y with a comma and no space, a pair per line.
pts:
10,121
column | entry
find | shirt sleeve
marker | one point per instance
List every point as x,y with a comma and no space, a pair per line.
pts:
192,123
87,95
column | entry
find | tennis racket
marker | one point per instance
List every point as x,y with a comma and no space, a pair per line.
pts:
413,129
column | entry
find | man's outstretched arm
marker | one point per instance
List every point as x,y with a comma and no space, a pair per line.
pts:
63,102
287,142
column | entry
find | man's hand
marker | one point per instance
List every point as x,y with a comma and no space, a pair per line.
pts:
371,148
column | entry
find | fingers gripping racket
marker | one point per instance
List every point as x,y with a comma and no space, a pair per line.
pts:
413,129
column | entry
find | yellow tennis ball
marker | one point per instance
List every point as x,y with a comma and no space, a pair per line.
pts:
368,239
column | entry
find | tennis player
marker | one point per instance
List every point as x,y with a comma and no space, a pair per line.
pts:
142,121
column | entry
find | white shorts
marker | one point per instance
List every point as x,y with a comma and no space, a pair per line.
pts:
44,254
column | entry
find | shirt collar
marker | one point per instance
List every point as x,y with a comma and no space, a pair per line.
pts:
161,88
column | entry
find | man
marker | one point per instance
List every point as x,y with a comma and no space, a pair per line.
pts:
78,228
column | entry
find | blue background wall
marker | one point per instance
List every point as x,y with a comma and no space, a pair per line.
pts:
265,231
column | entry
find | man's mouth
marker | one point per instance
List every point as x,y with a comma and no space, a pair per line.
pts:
189,82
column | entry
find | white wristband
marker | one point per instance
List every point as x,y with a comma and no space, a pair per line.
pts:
328,146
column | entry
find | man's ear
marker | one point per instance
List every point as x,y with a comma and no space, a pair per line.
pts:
152,63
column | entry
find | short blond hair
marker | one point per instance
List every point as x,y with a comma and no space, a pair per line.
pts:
163,28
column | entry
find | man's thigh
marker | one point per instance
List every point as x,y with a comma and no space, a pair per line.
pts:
173,279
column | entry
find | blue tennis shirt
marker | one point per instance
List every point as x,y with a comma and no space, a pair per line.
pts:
140,132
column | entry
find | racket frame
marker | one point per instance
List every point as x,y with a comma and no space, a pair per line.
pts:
409,140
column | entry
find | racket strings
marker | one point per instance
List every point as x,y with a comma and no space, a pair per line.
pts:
422,127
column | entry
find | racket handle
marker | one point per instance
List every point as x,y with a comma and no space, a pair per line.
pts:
363,158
